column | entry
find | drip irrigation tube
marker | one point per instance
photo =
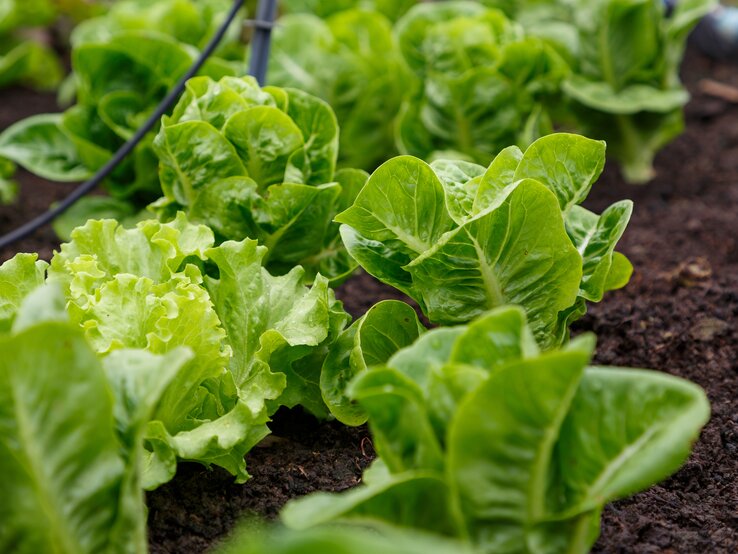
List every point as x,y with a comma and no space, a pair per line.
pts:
266,13
260,51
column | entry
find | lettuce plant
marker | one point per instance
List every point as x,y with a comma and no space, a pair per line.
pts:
480,86
256,341
352,61
482,437
391,9
124,63
460,238
71,432
259,163
625,55
23,58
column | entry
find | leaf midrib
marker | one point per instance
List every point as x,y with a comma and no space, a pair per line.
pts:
40,482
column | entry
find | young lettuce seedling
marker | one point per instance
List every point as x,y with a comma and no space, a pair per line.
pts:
460,239
483,437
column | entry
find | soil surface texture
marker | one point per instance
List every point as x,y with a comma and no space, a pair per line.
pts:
678,315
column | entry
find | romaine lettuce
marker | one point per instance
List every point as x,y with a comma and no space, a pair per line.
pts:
624,55
259,163
352,61
461,239
482,437
480,86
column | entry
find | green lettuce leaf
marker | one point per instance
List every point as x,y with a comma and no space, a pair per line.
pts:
337,60
481,84
72,435
66,485
18,277
372,339
274,322
625,84
332,540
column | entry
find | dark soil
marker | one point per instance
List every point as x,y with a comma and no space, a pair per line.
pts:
678,315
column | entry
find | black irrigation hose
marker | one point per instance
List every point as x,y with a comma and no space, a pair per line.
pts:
29,227
265,15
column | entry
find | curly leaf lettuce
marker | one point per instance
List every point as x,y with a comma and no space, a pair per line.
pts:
258,163
506,447
19,276
461,239
274,321
257,341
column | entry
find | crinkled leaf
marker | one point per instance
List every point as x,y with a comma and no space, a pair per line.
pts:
460,180
18,277
273,321
102,248
566,164
193,154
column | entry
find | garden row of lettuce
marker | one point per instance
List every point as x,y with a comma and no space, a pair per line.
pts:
124,62
178,339
458,79
482,438
463,79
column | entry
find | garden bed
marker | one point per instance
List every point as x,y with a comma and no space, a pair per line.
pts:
678,314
